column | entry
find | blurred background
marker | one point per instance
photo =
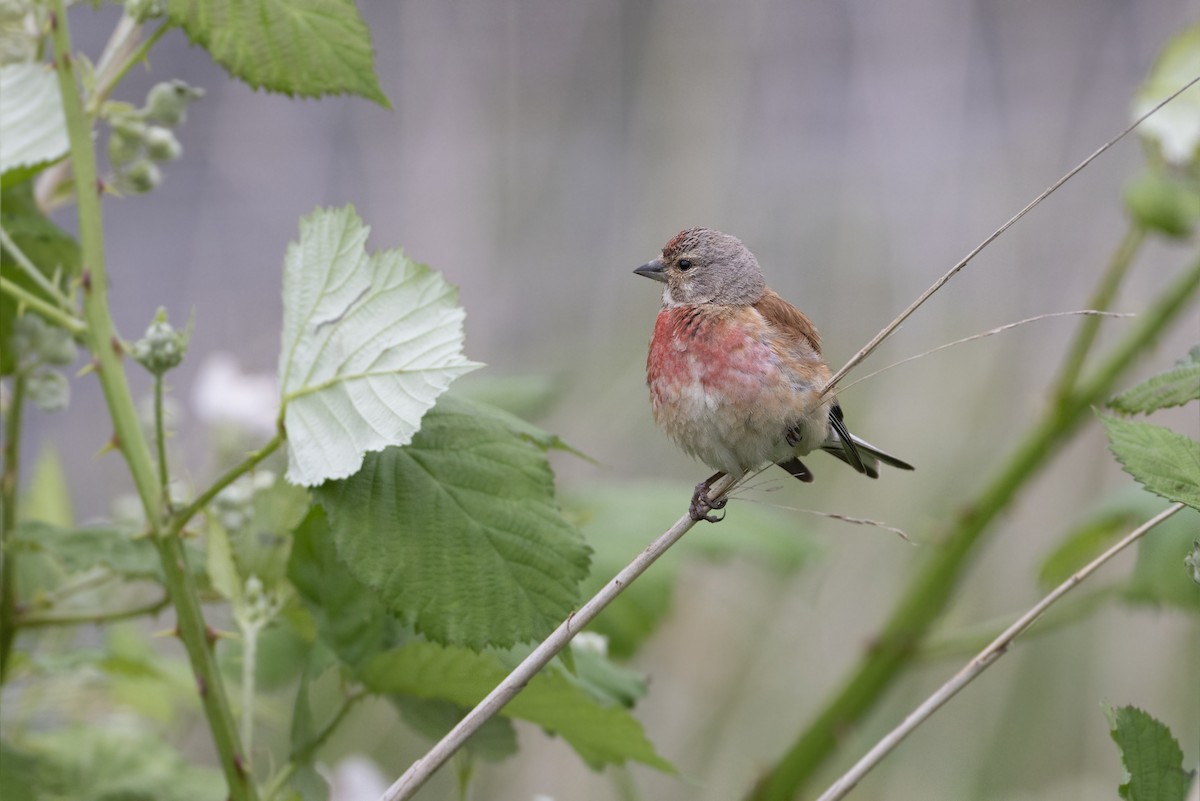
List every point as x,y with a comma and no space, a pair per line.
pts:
538,151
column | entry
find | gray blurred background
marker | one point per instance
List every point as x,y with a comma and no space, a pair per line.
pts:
539,151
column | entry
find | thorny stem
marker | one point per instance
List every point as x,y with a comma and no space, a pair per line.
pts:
103,341
930,590
8,522
95,616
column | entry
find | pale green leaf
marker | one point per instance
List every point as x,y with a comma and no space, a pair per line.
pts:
458,531
495,740
1166,463
369,343
83,548
111,763
298,47
1161,575
1175,387
47,496
1152,757
222,570
600,733
33,131
1176,126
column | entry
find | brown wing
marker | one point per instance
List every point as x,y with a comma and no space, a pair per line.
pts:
787,318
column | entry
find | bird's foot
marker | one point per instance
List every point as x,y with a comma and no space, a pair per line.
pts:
701,506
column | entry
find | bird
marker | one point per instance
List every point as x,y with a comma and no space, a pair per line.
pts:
735,372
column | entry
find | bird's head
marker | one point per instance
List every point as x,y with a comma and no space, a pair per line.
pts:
701,265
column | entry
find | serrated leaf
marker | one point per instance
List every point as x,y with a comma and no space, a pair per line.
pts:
601,734
308,48
458,531
1175,387
619,521
1152,757
350,618
1175,128
1162,461
495,740
369,343
33,131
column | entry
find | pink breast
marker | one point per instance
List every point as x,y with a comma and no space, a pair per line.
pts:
717,352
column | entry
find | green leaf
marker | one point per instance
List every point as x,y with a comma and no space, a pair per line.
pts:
83,548
350,618
1175,387
1100,528
1153,760
601,734
47,496
115,764
495,740
20,772
308,48
33,131
619,521
49,248
1175,128
1166,463
1161,575
459,532
369,343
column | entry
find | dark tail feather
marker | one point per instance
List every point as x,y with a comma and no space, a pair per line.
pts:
797,469
868,456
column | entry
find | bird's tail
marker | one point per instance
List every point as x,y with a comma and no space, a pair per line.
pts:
862,453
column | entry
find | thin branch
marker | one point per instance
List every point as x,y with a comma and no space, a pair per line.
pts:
981,662
420,771
96,616
231,475
30,269
982,335
52,313
938,284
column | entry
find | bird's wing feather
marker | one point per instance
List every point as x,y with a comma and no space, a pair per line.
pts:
789,320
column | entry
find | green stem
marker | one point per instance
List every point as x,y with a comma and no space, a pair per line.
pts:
31,270
105,347
305,753
1101,300
52,313
930,590
181,518
160,440
109,78
93,617
8,522
249,673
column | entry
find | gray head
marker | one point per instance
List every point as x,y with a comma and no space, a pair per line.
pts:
701,265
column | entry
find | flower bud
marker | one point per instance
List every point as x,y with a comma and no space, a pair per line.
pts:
48,389
162,348
161,144
126,140
142,176
167,102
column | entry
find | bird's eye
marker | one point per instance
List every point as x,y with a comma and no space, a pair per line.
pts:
685,264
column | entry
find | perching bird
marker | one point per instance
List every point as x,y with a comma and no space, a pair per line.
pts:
735,371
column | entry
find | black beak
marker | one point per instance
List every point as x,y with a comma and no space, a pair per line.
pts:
653,269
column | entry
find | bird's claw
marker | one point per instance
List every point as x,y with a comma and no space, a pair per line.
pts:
701,506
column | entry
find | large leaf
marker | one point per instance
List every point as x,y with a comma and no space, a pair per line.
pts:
33,131
619,521
458,531
350,618
1162,461
1175,387
1152,757
298,47
600,733
369,343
